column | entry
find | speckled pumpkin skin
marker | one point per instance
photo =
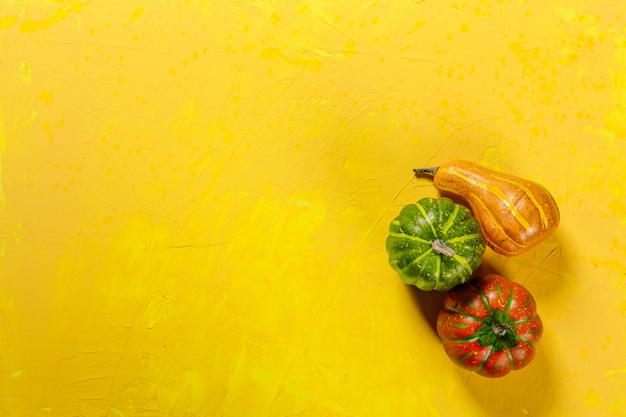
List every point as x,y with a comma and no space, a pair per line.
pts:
472,321
430,220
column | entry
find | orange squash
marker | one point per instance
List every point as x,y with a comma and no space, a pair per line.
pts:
515,214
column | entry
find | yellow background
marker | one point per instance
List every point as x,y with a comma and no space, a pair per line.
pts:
195,197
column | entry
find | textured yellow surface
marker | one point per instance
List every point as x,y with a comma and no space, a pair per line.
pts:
195,197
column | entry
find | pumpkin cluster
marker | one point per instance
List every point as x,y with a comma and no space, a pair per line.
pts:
488,324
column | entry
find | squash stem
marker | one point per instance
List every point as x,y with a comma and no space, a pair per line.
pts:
500,329
439,246
428,171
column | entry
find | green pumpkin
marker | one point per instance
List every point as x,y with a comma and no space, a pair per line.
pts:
435,244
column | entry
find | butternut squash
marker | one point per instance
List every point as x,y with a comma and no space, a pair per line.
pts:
515,214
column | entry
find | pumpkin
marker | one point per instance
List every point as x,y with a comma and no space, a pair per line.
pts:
435,244
515,214
490,325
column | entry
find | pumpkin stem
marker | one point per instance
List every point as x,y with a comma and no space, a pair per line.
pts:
440,247
500,329
428,171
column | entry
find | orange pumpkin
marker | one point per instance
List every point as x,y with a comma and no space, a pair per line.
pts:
515,214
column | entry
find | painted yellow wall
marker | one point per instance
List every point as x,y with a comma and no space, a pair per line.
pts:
195,196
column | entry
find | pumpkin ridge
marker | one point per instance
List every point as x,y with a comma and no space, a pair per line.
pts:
497,191
484,300
437,272
463,339
509,302
510,356
463,262
464,314
419,258
528,342
410,237
451,219
528,192
465,357
497,225
423,212
482,365
464,238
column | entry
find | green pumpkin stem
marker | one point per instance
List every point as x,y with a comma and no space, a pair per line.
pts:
439,246
500,329
428,171
497,331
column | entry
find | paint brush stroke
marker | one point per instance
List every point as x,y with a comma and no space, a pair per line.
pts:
2,148
57,16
